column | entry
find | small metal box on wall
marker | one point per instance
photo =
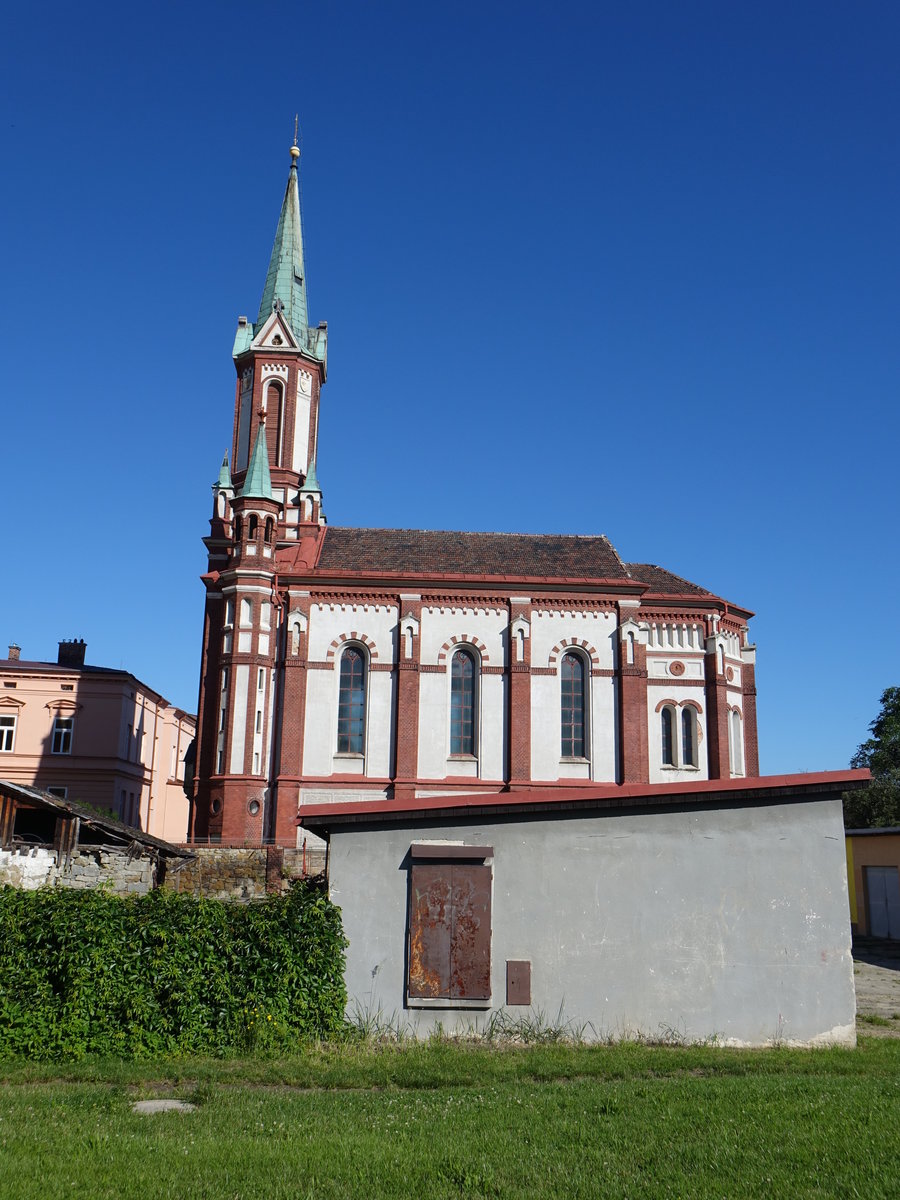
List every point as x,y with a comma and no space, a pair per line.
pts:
518,981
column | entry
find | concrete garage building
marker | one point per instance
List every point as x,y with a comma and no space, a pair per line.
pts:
714,910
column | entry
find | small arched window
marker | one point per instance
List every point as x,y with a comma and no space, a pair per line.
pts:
688,740
463,703
668,738
270,527
352,702
238,528
572,706
252,526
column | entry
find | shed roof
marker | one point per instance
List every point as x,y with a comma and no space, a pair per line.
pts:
34,798
766,789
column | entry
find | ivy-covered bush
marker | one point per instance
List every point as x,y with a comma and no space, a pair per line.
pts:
86,972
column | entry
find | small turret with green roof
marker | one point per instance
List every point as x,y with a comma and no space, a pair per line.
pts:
257,483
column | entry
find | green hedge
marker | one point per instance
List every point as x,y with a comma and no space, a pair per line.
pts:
86,972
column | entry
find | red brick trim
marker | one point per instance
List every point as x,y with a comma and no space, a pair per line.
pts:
668,681
464,639
574,644
344,638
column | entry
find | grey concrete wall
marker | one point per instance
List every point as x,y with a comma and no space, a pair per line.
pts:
728,923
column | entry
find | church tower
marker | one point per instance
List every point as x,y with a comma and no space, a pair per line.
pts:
268,497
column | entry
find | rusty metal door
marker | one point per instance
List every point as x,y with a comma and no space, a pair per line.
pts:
450,931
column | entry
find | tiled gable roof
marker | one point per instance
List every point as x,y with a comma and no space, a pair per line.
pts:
663,582
444,552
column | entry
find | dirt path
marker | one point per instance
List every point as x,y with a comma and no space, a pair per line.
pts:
876,973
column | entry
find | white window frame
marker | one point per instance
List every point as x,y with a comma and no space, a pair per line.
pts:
63,735
8,725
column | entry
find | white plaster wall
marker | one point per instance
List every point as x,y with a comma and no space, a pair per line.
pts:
546,763
659,773
548,631
440,624
548,628
433,725
320,733
492,713
301,421
373,625
329,621
380,724
659,666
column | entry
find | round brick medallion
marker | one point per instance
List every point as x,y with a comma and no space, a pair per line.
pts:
676,667
729,674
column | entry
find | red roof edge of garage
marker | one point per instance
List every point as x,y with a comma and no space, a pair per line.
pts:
606,796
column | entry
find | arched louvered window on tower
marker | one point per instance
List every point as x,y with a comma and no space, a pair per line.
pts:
273,422
269,530
352,702
572,706
463,703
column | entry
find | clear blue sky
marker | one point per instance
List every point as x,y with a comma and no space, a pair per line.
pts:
625,269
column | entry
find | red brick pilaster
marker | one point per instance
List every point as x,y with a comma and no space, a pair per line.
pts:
751,737
207,711
406,728
291,719
519,695
716,714
634,749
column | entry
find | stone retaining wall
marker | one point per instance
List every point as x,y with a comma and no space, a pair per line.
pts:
87,867
234,873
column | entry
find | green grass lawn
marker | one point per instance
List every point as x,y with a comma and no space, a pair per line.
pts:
441,1120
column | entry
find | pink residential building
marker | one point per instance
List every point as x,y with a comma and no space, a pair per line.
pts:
97,736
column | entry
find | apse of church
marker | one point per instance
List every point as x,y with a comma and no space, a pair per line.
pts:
344,664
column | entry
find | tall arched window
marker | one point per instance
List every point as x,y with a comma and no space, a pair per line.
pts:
463,700
352,702
737,743
252,526
572,706
270,529
668,739
688,741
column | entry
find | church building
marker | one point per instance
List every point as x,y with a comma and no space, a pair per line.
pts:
346,665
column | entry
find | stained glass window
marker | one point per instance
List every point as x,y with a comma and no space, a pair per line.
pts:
462,704
352,702
572,712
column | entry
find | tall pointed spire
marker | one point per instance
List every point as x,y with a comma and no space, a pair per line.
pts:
258,482
286,277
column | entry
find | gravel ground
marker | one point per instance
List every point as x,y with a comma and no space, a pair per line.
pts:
876,972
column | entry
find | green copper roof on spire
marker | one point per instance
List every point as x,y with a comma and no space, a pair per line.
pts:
286,278
224,480
311,482
258,482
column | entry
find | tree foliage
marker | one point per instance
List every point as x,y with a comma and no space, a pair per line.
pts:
878,804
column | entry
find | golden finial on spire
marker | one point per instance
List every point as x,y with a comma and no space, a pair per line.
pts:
295,149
